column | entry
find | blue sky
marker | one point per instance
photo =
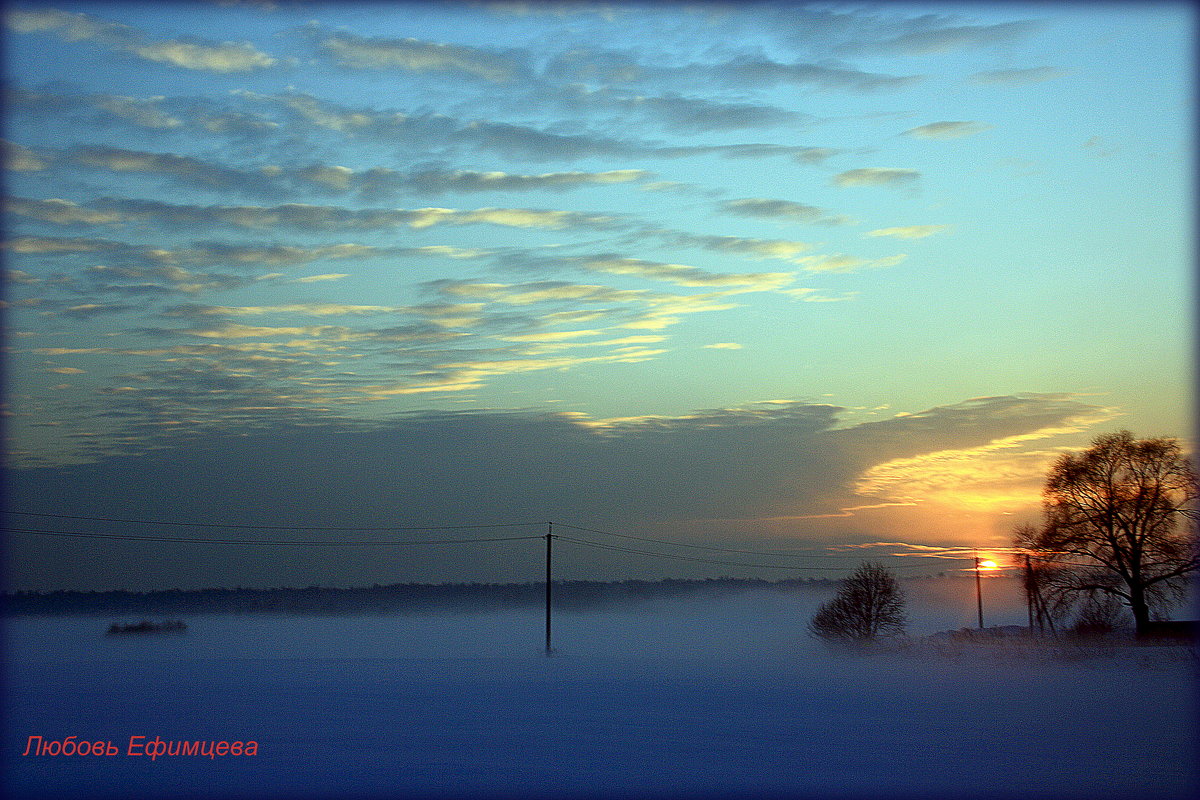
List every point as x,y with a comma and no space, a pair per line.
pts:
872,266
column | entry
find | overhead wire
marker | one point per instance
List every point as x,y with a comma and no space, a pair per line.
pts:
619,548
787,553
299,542
385,542
276,527
796,553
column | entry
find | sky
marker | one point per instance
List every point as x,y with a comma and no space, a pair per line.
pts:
754,276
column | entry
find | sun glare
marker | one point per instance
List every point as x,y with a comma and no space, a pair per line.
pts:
988,564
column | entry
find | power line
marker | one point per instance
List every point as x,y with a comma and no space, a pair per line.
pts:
315,542
689,558
705,546
386,543
278,527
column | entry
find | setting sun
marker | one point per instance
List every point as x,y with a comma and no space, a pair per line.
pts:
988,564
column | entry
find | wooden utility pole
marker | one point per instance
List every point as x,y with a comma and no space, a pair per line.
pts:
549,537
978,592
1029,591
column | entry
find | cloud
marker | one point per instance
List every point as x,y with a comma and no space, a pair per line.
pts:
90,310
681,113
781,249
947,130
209,57
801,153
440,132
473,335
844,263
235,123
193,311
374,182
908,231
808,295
143,112
205,254
148,113
27,245
876,176
59,212
225,57
764,72
319,217
1018,77
71,27
699,115
723,346
537,292
946,38
519,218
762,463
635,309
186,169
378,53
783,210
684,275
608,67
435,181
533,144
327,176
999,475
19,277
229,330
18,158
329,276
153,279
474,371
156,113
678,187
146,270
331,116
426,131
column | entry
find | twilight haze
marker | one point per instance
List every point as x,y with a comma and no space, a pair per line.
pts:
754,276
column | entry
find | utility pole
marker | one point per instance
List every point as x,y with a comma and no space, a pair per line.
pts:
549,537
978,592
1029,591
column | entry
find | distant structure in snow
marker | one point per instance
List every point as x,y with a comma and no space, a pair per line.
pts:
146,626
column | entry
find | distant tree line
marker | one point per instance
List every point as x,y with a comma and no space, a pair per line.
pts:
391,598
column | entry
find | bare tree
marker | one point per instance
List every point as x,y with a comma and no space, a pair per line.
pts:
868,604
1116,522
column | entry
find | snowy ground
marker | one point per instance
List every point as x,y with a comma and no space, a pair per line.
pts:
713,697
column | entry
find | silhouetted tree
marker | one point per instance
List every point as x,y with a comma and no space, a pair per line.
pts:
1116,522
868,604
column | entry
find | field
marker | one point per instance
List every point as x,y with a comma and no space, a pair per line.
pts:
723,696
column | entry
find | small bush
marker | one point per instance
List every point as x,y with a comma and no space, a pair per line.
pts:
1100,615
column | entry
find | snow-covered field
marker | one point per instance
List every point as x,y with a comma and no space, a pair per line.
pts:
700,697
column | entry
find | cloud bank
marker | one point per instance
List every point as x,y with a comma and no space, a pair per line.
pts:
764,461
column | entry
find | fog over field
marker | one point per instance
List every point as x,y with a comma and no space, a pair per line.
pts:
704,696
